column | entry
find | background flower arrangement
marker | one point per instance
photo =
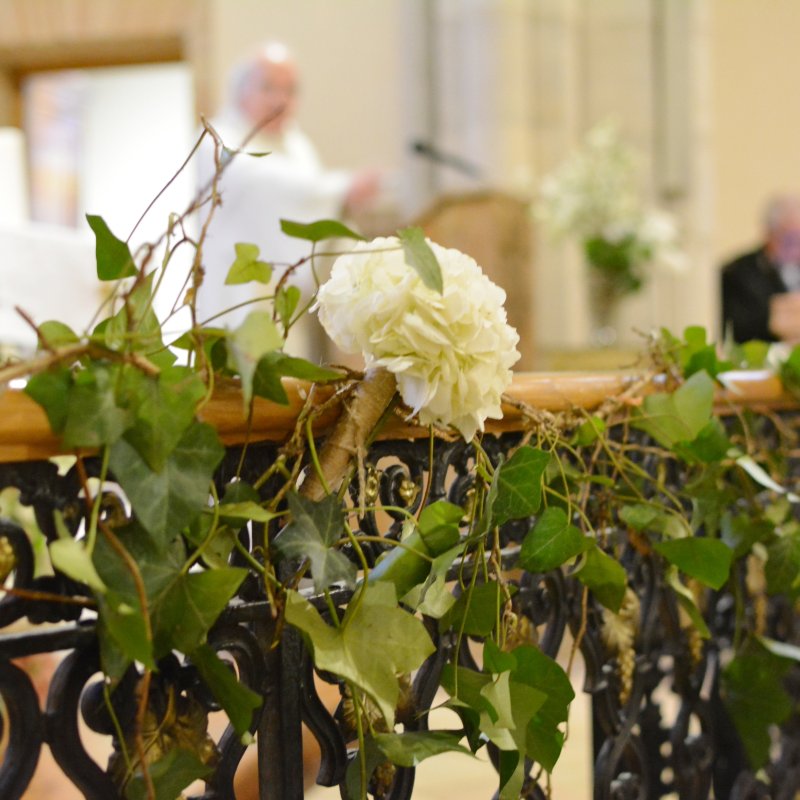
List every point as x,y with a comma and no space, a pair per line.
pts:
595,197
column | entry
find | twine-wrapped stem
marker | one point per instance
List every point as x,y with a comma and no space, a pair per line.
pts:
347,440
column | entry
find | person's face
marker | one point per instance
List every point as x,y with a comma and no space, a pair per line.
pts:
270,95
784,240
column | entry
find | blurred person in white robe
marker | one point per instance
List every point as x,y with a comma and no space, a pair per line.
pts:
257,192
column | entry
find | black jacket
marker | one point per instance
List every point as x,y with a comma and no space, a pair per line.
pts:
748,282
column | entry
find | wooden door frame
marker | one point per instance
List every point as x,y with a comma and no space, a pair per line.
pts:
182,35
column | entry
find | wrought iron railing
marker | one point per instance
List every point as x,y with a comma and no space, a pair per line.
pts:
660,728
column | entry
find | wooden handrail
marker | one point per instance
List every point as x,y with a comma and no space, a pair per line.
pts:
25,433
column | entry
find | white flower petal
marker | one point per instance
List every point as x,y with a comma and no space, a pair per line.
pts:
451,353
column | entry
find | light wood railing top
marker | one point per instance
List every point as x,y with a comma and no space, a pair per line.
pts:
25,434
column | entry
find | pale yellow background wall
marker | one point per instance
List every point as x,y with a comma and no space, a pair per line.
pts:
755,145
743,107
349,52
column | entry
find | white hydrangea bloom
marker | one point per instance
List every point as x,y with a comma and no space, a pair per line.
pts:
451,353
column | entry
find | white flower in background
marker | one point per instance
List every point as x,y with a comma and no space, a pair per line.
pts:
595,197
659,234
596,187
451,353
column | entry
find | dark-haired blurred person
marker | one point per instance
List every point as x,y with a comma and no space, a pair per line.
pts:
761,288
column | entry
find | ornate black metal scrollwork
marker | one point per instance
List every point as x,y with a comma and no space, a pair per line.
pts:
659,725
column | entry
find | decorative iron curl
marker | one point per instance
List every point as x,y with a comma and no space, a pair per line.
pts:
25,728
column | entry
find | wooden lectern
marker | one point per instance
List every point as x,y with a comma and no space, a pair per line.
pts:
495,229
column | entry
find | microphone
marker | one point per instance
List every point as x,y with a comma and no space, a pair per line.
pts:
436,155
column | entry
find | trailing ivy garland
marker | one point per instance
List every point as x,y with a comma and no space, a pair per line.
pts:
161,576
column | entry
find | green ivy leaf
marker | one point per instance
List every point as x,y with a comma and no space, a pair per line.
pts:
504,706
756,700
57,334
433,598
135,327
783,564
525,711
71,557
319,230
376,642
184,611
275,365
114,259
711,496
267,382
496,660
589,431
291,367
430,593
790,371
711,444
94,417
641,517
246,267
412,747
687,602
249,343
183,605
741,532
498,692
544,738
511,771
604,577
238,701
404,566
244,511
439,526
697,354
552,542
754,354
372,757
240,504
461,705
707,560
518,485
123,636
51,391
313,533
168,500
216,552
421,257
477,611
166,409
678,416
170,774
286,301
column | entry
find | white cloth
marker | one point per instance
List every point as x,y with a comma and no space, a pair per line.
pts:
257,192
790,275
50,273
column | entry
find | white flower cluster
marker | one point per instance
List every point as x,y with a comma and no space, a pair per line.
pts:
595,194
451,353
594,189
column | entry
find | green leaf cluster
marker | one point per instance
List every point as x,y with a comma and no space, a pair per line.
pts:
519,702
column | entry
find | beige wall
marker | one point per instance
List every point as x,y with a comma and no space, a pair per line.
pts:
350,53
561,66
755,52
